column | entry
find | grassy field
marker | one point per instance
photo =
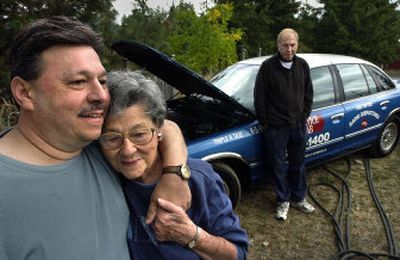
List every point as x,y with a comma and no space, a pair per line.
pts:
312,236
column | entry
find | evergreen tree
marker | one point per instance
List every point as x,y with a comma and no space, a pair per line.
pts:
306,24
369,29
261,21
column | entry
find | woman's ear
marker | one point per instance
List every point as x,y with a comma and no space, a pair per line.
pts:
23,93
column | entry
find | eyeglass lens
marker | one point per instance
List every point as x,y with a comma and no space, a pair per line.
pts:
137,137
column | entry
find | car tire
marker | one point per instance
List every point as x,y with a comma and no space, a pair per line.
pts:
231,182
387,140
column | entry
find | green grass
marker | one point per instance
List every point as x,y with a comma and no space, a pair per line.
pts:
311,236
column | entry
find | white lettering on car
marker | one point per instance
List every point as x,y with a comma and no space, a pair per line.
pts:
228,138
363,114
254,130
318,139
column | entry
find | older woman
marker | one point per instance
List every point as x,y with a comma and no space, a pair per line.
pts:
131,134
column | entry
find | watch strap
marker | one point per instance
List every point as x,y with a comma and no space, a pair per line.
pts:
172,169
182,170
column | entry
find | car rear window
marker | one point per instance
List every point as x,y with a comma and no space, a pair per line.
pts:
353,80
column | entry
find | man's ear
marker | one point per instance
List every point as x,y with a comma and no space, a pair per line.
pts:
22,91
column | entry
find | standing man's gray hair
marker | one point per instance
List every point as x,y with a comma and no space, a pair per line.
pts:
285,31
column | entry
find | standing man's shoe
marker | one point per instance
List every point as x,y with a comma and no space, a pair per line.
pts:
304,206
282,210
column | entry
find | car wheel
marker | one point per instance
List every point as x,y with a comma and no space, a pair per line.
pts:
387,139
231,182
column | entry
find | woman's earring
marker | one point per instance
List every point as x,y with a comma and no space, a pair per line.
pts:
159,135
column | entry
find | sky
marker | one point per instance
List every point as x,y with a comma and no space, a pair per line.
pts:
124,7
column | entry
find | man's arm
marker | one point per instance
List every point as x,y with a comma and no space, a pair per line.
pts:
308,94
171,186
259,96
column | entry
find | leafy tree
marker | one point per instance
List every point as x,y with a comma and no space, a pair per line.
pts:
14,14
364,28
204,43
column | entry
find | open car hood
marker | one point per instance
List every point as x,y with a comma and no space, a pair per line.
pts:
172,72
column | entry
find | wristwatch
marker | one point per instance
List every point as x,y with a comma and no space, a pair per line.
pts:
192,243
182,170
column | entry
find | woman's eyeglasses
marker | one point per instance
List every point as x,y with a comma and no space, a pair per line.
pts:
114,140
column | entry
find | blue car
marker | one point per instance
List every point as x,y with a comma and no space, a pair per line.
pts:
356,106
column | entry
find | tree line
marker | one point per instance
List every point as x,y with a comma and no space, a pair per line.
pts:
220,35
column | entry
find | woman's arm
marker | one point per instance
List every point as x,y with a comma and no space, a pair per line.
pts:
173,224
171,186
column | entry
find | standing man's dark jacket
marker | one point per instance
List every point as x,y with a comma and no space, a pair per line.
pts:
285,99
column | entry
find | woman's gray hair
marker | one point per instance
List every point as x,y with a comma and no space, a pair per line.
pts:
129,88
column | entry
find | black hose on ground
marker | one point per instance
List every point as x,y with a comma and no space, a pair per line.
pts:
385,220
341,217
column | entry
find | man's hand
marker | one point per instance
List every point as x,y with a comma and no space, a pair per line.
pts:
171,187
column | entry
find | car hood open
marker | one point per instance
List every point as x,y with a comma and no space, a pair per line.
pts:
172,72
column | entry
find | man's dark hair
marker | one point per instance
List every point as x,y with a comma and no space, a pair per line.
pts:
40,35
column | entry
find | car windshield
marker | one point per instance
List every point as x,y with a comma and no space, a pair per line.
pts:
237,81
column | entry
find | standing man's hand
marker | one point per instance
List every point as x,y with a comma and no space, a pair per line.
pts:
171,187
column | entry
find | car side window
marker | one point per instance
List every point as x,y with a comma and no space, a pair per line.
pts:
383,82
324,94
353,80
373,88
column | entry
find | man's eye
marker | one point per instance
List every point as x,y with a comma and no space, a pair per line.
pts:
78,82
103,82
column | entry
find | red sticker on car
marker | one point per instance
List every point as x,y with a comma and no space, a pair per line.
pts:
364,123
315,124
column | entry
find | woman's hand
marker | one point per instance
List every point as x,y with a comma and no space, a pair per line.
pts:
173,224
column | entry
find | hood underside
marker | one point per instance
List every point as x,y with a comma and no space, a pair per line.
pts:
173,73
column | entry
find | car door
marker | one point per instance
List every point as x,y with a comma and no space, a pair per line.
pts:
364,107
325,126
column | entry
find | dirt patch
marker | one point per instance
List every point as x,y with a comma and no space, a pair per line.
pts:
312,236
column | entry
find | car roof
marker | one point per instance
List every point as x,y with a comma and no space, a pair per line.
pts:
315,59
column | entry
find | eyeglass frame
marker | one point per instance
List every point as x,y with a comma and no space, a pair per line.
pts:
127,135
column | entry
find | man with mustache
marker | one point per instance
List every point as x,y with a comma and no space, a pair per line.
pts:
58,197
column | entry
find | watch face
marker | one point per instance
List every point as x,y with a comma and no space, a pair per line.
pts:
185,170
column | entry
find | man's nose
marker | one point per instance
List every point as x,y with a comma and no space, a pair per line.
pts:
98,92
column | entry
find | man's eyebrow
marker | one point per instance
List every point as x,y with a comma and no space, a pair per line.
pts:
86,73
103,74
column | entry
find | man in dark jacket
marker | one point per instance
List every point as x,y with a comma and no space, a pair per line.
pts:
283,97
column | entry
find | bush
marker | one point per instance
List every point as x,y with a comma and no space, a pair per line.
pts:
8,113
